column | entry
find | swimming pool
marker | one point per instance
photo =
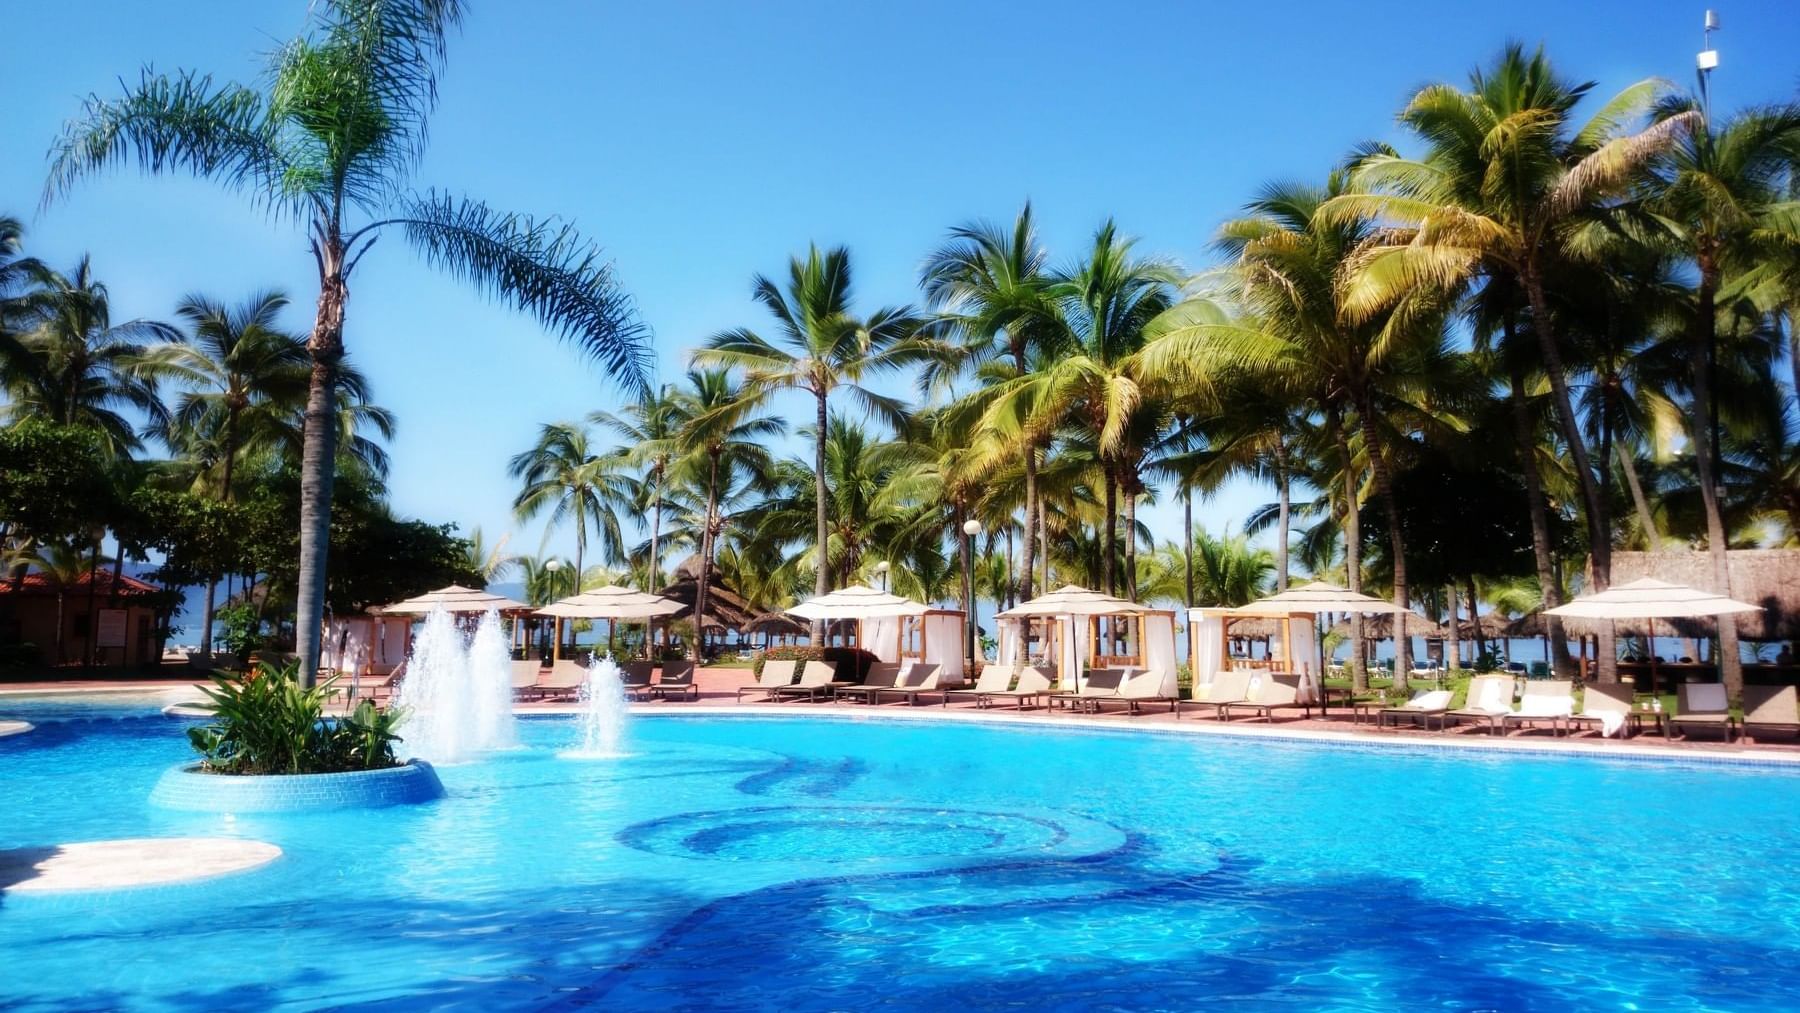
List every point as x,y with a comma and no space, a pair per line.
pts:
812,863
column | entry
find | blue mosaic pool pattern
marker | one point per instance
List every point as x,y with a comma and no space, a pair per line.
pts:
186,787
817,864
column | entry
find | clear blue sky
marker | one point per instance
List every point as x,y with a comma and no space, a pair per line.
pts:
701,143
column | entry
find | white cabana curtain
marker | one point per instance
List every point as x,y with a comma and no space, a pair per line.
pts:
1011,643
944,647
1305,635
1073,638
390,646
881,637
355,636
1159,651
1208,635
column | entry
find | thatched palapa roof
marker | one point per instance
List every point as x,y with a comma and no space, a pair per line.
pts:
1381,626
725,608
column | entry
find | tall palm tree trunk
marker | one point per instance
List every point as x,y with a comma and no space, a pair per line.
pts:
1043,536
1453,643
1187,542
1110,541
1599,534
1384,490
1028,553
1525,436
318,455
1284,508
703,584
1130,582
1359,676
1628,468
821,525
656,540
1718,548
1475,617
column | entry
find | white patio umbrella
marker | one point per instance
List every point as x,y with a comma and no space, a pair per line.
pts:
1650,599
1319,597
1071,602
455,599
611,603
857,602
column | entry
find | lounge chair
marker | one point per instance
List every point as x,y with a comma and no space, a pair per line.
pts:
373,687
1270,692
1488,703
1145,687
525,675
1432,673
1424,705
915,682
1228,687
1606,705
635,676
1770,708
775,675
815,682
1544,700
1702,705
1033,685
882,675
1100,684
676,683
565,678
993,679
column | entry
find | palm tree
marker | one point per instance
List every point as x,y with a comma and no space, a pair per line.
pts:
1292,261
1504,182
723,448
242,378
564,474
649,428
63,564
1106,301
1716,188
332,144
827,349
492,564
73,366
993,290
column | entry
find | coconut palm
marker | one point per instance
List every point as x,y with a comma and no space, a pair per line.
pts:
332,144
722,448
649,427
564,474
822,349
992,287
71,364
1718,189
1366,376
1505,182
241,379
1106,301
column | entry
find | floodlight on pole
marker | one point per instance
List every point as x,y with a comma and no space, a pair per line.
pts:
1707,61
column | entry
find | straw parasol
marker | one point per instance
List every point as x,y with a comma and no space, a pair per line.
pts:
857,602
455,599
1070,600
611,602
1319,596
1650,599
1381,627
775,624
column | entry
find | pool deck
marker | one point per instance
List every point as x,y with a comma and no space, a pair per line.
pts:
718,696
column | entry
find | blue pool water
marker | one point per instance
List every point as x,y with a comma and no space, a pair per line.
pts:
814,864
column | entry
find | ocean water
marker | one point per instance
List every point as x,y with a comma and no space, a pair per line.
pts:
822,864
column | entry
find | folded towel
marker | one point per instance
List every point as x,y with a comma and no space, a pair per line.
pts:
1491,699
1433,700
1612,723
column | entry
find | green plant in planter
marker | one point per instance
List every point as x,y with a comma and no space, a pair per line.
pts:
266,722
242,631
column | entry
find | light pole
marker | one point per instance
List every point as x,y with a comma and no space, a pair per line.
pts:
552,565
971,528
882,568
1705,62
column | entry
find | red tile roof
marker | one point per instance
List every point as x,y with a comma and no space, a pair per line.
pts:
38,584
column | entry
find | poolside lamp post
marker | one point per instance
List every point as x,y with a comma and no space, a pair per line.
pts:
971,528
882,568
550,567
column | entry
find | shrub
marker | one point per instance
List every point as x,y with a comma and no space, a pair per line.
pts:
265,722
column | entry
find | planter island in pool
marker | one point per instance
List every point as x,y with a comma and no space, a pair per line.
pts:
188,787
